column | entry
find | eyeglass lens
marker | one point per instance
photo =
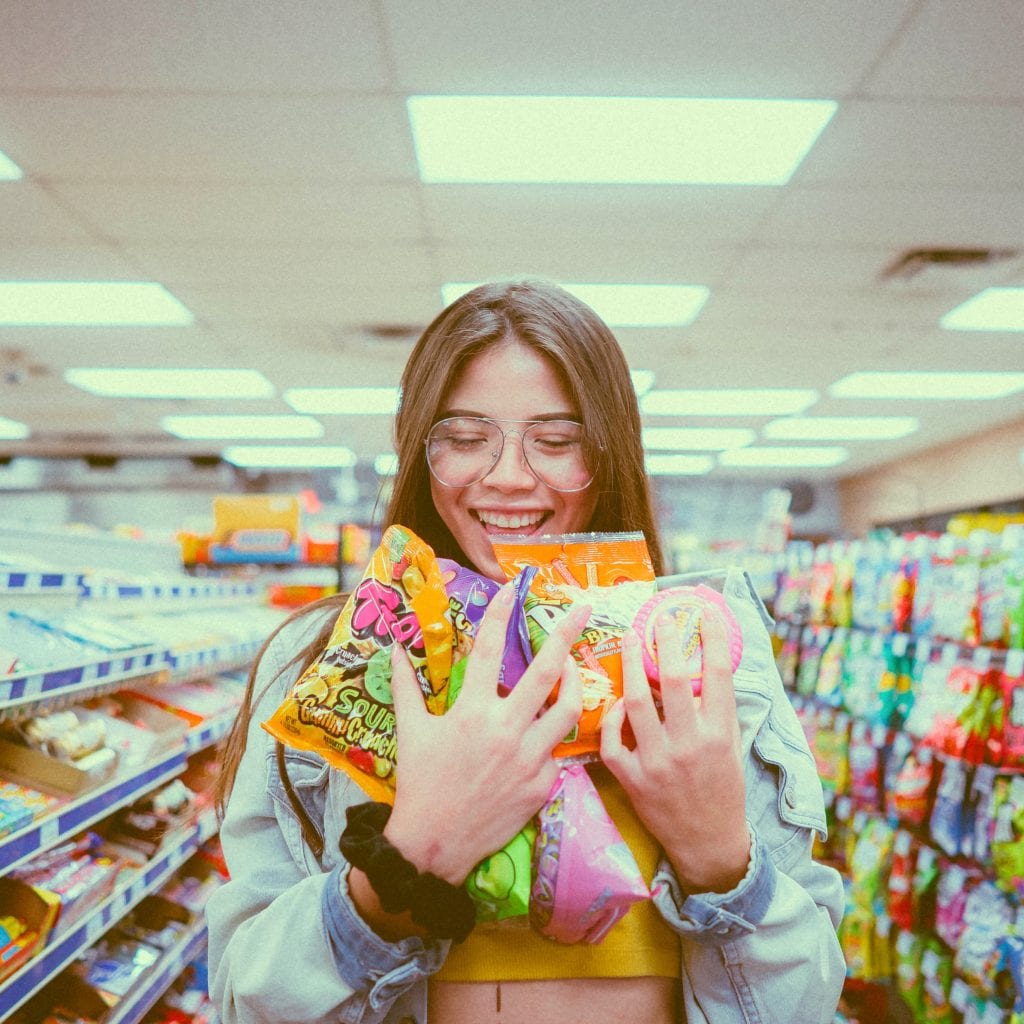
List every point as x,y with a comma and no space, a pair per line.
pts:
464,449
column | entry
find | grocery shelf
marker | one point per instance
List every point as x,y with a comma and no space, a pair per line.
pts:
29,583
80,813
51,688
71,818
137,1002
63,949
210,732
21,692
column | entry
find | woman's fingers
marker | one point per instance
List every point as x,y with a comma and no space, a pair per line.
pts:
717,696
537,682
488,649
555,723
638,702
405,687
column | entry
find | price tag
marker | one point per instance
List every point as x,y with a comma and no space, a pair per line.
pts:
49,832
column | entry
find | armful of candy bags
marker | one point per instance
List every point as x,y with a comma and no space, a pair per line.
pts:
568,871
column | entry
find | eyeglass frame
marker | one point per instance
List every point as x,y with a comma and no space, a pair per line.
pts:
501,450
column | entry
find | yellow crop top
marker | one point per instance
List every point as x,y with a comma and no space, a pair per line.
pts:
638,945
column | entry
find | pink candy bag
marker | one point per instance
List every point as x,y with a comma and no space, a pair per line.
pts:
585,877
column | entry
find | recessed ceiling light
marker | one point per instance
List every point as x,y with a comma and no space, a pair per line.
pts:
12,430
224,427
170,383
285,457
840,428
728,402
624,305
613,140
928,385
343,401
678,465
783,457
90,304
696,438
9,170
994,309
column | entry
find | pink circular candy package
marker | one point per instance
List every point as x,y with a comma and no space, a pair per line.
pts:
688,605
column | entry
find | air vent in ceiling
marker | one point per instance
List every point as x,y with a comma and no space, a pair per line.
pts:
942,269
393,332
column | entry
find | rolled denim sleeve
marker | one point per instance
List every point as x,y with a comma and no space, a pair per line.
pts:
715,918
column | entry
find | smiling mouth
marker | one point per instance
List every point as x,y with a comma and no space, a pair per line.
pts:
499,523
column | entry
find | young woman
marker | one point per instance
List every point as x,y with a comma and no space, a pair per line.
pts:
718,797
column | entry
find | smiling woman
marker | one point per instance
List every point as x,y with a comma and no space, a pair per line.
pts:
518,417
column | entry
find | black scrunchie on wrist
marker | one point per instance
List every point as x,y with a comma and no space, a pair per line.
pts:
444,910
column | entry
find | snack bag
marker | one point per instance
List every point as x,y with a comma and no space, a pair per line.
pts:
341,707
585,877
469,594
611,572
500,884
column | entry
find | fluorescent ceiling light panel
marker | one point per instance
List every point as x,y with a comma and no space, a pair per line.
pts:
225,427
696,438
728,402
782,457
624,305
386,464
9,170
643,381
284,457
343,401
165,383
928,385
840,428
613,140
994,309
90,304
12,430
679,465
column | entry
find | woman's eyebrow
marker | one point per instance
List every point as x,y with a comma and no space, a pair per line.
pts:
450,413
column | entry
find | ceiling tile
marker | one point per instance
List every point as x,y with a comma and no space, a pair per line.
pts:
897,217
929,144
955,50
634,217
230,45
667,49
29,216
250,138
298,213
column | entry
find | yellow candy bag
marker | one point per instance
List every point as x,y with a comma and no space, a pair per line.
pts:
341,706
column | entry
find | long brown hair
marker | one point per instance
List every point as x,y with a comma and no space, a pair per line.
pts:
592,366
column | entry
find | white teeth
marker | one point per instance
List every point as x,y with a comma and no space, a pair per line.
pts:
510,522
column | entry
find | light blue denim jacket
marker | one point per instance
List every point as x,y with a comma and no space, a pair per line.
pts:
287,946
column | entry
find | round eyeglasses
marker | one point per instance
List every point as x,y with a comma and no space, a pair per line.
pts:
462,450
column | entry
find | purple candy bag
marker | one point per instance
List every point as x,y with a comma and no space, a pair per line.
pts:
518,652
469,594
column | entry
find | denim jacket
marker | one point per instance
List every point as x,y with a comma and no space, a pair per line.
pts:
287,946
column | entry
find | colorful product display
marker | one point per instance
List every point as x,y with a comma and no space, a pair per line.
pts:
913,703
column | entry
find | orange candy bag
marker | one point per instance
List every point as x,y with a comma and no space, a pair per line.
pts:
341,706
611,572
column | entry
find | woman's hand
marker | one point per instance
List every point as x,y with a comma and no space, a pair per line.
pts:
468,780
684,776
